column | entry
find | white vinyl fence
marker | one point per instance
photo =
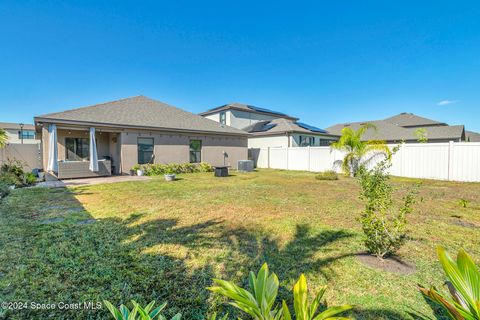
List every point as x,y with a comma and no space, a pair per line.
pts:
456,161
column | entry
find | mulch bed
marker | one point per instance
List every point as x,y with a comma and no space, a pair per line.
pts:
391,264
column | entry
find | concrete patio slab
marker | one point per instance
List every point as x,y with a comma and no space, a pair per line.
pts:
89,181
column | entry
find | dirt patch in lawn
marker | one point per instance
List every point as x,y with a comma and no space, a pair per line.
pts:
463,223
391,264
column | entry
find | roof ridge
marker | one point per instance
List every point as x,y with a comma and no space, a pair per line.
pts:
94,105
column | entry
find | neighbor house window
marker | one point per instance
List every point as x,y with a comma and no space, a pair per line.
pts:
223,117
326,142
195,151
26,135
306,141
77,148
145,150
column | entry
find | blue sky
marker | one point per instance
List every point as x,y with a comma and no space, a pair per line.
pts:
322,61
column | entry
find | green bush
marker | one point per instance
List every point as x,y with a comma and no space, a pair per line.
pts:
383,226
173,168
14,167
30,179
11,179
327,175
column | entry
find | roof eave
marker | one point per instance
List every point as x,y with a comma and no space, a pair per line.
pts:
115,125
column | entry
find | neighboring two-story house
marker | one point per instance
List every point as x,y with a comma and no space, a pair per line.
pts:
19,133
269,128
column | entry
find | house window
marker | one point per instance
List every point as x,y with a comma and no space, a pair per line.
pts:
223,117
195,151
77,149
145,150
26,135
326,142
306,141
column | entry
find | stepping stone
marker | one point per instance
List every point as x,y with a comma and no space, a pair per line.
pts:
52,220
89,221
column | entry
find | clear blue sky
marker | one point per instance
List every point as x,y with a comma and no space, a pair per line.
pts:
322,61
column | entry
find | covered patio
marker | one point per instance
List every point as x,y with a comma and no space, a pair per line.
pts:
72,152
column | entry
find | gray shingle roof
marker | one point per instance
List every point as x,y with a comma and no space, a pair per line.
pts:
141,111
16,126
279,125
247,108
472,136
406,119
391,130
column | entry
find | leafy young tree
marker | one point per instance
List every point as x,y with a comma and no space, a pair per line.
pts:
383,225
421,134
3,138
358,152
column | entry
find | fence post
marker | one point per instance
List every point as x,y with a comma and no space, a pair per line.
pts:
308,148
450,160
268,157
287,157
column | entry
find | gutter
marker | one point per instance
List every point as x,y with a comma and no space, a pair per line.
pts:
125,126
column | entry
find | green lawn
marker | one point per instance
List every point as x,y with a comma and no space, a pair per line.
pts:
166,241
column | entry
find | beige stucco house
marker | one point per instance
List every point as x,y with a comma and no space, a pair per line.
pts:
20,133
110,138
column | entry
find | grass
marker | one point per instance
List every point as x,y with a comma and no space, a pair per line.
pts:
162,241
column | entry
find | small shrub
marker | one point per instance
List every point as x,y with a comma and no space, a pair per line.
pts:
173,168
327,175
463,203
463,284
205,167
14,167
30,179
383,226
11,179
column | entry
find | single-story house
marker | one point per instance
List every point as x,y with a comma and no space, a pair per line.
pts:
110,138
410,128
20,133
269,128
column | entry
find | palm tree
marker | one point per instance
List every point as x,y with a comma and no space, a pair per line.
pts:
356,148
3,138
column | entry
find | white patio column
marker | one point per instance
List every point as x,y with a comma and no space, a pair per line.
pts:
52,165
93,151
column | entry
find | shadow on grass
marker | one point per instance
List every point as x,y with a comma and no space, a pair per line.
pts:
134,258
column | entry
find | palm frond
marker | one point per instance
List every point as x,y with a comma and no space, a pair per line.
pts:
3,138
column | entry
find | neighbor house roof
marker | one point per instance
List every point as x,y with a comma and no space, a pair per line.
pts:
471,136
140,112
406,119
247,108
404,127
16,126
281,125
